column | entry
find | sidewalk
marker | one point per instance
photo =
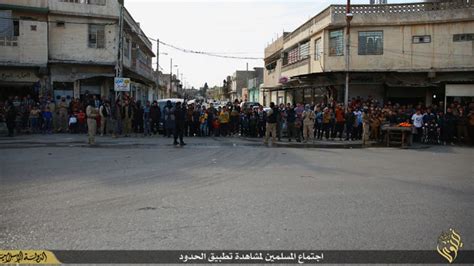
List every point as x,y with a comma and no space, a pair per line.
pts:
80,140
316,143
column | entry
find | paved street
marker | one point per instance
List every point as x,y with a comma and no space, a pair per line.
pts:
136,193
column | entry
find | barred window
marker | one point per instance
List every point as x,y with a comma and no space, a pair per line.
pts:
89,2
304,51
293,55
96,2
96,36
126,48
463,37
336,42
422,39
370,42
317,49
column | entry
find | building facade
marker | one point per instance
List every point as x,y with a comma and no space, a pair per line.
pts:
239,81
71,48
407,53
254,83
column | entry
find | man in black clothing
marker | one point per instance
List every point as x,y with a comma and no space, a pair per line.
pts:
155,116
350,120
180,121
290,121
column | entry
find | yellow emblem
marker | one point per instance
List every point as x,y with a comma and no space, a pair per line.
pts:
449,244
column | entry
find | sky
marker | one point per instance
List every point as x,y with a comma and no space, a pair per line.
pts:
230,27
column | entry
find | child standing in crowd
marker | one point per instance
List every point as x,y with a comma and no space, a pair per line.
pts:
48,119
34,118
81,121
204,130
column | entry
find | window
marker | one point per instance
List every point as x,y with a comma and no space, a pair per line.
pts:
317,49
16,28
304,51
33,27
422,39
463,37
336,42
89,2
9,29
370,42
293,55
126,48
96,2
60,24
96,36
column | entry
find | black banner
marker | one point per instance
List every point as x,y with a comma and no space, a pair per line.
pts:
260,256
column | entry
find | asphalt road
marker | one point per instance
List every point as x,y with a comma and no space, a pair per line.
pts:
230,194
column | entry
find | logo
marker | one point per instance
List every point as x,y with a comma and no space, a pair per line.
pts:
449,244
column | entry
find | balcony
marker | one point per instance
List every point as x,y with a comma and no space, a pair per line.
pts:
142,69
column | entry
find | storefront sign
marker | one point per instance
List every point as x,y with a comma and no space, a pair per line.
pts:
122,84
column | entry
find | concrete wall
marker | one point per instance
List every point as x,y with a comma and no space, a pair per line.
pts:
110,10
400,53
71,41
29,3
32,46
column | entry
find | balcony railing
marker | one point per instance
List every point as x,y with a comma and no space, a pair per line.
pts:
403,8
142,69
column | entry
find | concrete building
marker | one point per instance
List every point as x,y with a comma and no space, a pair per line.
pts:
254,83
71,47
407,53
23,47
239,80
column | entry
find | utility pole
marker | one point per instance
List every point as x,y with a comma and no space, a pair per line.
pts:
158,64
119,64
158,55
171,75
347,53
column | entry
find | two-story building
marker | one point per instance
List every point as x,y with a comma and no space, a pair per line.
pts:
23,47
71,48
408,53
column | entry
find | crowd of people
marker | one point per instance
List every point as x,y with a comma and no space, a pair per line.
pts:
329,120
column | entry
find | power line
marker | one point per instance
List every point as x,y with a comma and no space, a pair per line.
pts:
201,52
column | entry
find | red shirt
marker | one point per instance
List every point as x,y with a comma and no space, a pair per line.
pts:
339,115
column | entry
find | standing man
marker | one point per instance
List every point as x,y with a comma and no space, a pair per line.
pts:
224,119
10,117
308,123
155,116
63,117
169,121
92,114
365,126
127,115
290,121
146,119
180,120
105,113
417,119
271,124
